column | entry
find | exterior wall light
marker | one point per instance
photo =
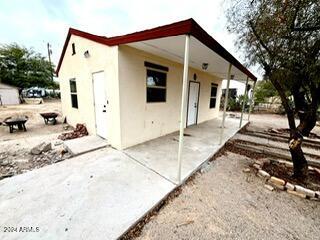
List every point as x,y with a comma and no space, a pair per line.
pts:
205,66
86,54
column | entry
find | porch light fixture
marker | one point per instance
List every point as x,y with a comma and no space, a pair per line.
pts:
86,54
205,66
231,76
195,77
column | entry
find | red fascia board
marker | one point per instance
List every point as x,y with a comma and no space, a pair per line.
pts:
174,29
72,31
211,43
188,26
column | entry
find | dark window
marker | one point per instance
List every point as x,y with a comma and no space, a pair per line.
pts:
232,93
73,92
156,66
213,95
73,49
156,86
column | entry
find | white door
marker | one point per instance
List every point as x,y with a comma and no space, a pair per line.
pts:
193,103
100,103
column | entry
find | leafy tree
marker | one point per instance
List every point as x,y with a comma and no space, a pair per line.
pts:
264,90
283,37
22,67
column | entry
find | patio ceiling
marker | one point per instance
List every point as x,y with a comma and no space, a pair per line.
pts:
172,48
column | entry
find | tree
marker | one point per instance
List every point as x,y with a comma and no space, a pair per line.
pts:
22,67
264,90
283,37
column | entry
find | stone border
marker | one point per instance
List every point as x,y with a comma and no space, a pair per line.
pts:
272,182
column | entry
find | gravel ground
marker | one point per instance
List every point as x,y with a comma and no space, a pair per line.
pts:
225,203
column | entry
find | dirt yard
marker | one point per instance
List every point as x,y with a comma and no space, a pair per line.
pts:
35,124
224,202
15,148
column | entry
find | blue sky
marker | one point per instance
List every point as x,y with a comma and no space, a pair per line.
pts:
33,23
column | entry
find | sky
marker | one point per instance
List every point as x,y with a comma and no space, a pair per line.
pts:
34,23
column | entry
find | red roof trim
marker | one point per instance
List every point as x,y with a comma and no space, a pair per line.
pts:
174,29
188,26
211,43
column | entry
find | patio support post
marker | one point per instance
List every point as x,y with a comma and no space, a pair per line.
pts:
244,102
251,100
225,103
183,103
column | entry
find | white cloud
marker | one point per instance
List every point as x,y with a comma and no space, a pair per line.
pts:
34,23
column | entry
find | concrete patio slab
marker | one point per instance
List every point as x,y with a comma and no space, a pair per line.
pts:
160,154
85,144
97,195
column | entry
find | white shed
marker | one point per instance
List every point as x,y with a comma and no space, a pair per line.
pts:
9,95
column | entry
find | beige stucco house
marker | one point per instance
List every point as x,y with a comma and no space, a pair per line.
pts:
130,89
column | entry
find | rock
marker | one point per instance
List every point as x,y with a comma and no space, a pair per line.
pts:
257,166
317,170
317,194
205,168
35,150
3,156
311,168
42,147
277,181
280,187
289,164
47,147
57,142
289,186
263,174
6,175
270,188
246,170
305,191
273,130
297,194
5,162
21,160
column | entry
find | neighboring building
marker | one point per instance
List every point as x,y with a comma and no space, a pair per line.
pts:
9,95
128,89
236,88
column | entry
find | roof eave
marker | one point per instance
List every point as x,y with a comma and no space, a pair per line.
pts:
188,26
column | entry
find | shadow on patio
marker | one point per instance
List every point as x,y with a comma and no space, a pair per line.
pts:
201,142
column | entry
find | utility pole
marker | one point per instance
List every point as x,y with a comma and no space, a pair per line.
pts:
49,56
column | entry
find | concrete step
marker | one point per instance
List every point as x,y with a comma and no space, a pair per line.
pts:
85,144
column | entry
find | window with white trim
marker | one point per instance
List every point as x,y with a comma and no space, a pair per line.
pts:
73,92
213,95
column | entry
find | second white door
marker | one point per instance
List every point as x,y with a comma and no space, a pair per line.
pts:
193,103
100,103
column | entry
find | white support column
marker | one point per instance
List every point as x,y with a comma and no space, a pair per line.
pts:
251,100
244,102
183,104
225,103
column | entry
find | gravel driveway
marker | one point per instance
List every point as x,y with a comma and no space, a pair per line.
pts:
226,203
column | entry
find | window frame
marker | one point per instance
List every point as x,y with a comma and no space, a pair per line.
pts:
215,97
74,93
156,87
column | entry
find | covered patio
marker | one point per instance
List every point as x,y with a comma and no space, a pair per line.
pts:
177,155
201,142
